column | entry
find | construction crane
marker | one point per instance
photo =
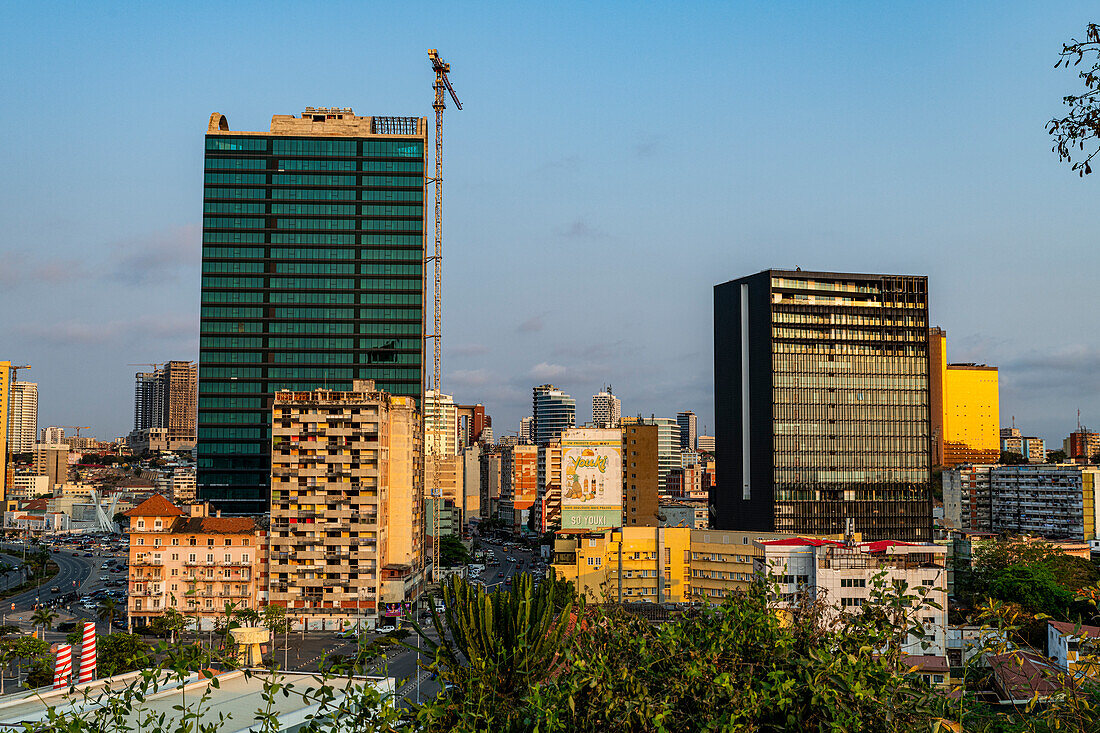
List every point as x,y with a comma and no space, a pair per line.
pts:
155,366
442,83
77,428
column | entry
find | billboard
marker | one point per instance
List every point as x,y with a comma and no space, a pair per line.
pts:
591,478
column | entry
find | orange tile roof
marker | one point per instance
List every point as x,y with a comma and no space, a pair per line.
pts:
214,525
155,506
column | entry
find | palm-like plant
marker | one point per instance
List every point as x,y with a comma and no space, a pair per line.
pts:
509,640
108,611
43,617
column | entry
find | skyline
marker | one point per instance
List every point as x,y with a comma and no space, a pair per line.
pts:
814,150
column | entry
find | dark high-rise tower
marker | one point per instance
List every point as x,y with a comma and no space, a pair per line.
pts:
312,261
822,404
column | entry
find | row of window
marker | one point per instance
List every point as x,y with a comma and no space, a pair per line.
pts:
251,342
383,225
315,283
284,146
314,209
385,166
371,240
237,296
314,253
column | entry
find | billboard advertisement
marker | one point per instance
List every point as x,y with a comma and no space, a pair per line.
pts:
592,478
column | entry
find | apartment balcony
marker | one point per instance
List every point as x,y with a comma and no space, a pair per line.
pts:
146,563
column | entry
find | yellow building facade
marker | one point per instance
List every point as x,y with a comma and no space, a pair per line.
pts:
658,564
965,404
5,386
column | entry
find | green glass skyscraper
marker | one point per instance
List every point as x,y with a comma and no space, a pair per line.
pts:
312,276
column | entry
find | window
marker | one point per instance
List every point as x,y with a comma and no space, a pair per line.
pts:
175,542
853,582
244,557
141,540
141,524
210,541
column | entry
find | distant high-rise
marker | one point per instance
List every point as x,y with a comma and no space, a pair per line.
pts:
5,383
688,423
822,404
23,417
167,398
705,443
554,411
965,408
53,435
668,446
313,260
527,429
606,409
440,424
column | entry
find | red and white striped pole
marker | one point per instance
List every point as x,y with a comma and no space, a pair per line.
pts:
63,665
87,653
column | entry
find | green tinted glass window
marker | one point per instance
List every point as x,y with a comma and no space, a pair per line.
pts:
207,386
311,253
230,417
392,240
218,311
312,327
315,268
305,179
233,297
389,328
233,208
389,283
313,147
231,372
389,194
313,194
311,343
231,252
393,148
311,283
236,143
311,357
317,165
220,403
316,223
232,282
399,181
387,269
226,357
237,179
233,237
313,313
236,163
391,313
314,238
231,342
235,193
409,225
308,373
396,166
315,209
389,343
395,210
233,267
391,254
215,222
232,327
315,298
391,298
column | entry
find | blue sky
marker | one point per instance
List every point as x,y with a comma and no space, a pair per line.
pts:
613,162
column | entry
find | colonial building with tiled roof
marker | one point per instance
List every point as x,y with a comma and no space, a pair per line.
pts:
192,562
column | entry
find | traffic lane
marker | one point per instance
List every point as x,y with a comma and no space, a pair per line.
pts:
72,574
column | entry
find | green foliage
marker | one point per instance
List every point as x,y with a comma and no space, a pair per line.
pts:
495,648
120,653
169,624
274,619
1081,124
1035,576
1012,458
43,617
39,673
108,611
1058,456
452,552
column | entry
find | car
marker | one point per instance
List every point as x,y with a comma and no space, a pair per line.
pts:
87,554
54,589
76,554
103,577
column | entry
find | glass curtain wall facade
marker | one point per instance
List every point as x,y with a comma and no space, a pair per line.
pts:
554,411
822,404
312,277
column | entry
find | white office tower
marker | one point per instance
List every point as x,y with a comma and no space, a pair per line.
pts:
606,409
440,424
23,417
53,435
527,430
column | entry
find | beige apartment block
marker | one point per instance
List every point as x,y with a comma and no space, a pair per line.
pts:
347,506
192,562
52,461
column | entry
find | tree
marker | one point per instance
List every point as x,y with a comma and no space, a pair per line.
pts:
274,619
120,653
452,552
169,624
1081,124
1057,456
108,611
43,617
1012,458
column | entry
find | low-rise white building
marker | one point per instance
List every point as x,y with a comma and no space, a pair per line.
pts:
845,575
1064,643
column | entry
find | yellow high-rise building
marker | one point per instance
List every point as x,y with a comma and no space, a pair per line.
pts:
965,402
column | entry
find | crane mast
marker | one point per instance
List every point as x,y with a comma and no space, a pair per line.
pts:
442,87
